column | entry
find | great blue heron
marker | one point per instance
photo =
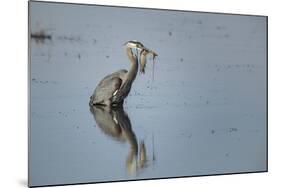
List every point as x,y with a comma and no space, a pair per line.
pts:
114,88
115,123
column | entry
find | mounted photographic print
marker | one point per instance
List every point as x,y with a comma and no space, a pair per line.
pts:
120,94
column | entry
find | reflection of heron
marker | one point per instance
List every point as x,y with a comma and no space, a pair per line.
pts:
114,88
115,123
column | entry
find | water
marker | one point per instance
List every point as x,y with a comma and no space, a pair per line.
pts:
203,113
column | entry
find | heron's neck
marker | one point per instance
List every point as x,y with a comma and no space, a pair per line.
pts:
134,66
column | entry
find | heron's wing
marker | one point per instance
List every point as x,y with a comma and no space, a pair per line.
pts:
107,86
114,80
104,91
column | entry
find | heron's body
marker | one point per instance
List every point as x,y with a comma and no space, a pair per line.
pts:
114,88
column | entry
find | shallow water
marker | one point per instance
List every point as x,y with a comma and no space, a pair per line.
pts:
203,113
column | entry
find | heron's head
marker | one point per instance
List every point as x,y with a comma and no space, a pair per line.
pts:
134,44
144,51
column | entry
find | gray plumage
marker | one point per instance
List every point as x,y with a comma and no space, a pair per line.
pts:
114,88
104,91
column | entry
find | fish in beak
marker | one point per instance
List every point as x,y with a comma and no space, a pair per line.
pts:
143,54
